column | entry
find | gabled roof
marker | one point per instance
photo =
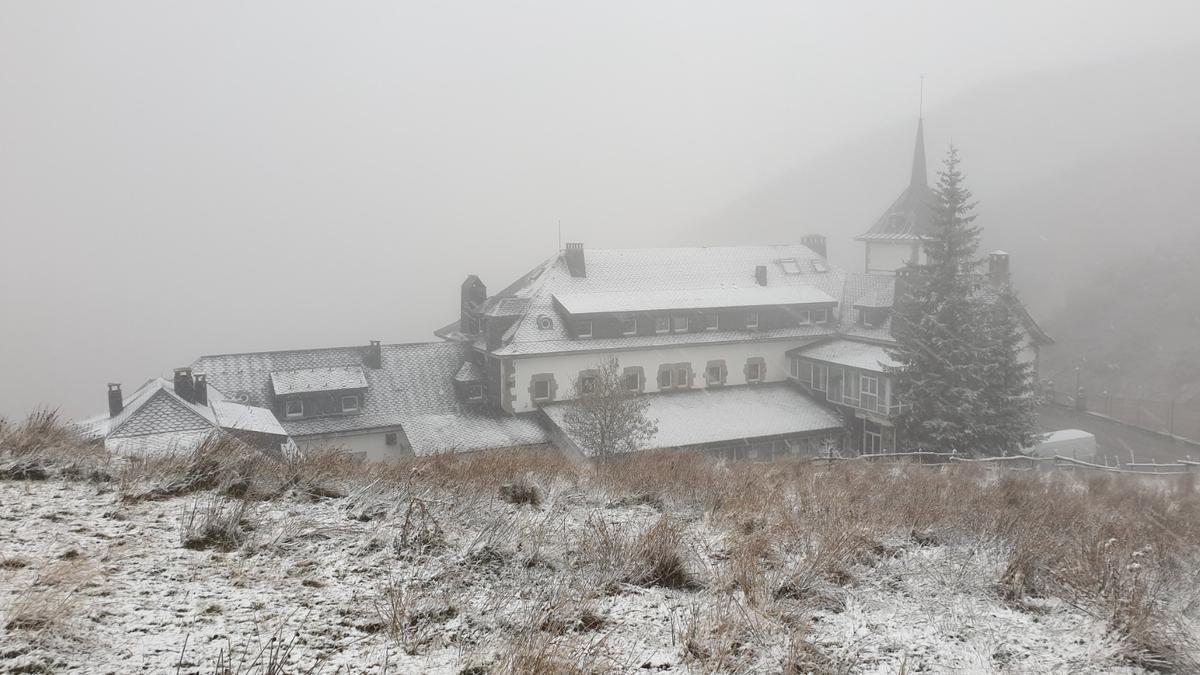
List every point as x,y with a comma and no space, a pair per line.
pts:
911,215
412,390
155,419
725,414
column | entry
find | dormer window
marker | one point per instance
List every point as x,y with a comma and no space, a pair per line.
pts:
629,326
711,321
583,329
752,320
679,323
820,315
662,324
475,392
349,404
804,316
293,408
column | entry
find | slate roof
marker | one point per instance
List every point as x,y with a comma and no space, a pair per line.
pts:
328,378
862,355
911,215
725,414
469,372
412,390
156,419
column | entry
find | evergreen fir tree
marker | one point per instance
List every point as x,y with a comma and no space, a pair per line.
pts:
937,324
1008,421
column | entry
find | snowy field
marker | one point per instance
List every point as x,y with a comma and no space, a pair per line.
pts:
529,563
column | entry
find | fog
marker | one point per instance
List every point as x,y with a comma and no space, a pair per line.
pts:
182,179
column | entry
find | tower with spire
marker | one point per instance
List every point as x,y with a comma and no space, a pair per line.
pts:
895,239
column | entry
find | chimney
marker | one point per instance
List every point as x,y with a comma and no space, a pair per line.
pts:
576,264
816,242
472,294
200,389
184,387
374,358
115,402
760,275
998,268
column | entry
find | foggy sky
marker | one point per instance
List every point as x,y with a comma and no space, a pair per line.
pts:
187,178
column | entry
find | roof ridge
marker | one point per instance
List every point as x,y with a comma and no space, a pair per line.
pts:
320,349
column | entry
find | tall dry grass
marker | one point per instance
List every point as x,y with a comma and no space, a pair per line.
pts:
766,544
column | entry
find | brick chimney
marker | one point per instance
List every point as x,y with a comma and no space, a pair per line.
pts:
184,386
374,358
200,389
576,262
760,275
816,242
998,268
116,403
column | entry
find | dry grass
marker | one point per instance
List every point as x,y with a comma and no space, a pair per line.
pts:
755,550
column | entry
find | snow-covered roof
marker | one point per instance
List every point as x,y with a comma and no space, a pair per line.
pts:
246,418
154,420
861,355
412,390
650,300
725,414
305,380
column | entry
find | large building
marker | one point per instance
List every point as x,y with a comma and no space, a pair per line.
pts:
750,351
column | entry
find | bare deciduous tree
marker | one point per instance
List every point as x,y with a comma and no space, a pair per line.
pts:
608,416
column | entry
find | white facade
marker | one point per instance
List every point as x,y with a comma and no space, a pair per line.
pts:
885,257
372,444
566,368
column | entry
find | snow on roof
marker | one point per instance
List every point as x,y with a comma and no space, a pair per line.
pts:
861,355
1067,435
412,390
246,418
318,379
648,300
725,414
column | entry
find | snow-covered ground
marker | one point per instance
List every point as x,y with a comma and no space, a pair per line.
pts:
476,584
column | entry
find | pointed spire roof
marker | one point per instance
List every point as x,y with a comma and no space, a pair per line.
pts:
919,176
911,215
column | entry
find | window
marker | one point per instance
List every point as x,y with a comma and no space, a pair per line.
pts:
714,373
712,321
349,404
629,326
475,392
294,408
820,315
633,381
679,323
662,324
541,390
790,266
820,378
587,384
752,320
754,372
794,368
870,385
664,378
804,316
583,329
872,437
389,439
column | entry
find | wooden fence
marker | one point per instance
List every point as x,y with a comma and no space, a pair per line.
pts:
1023,463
